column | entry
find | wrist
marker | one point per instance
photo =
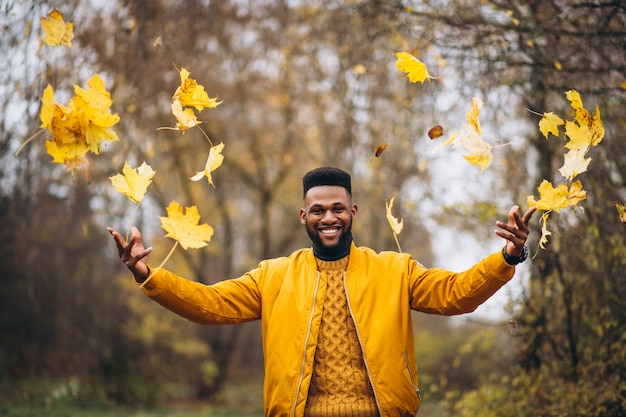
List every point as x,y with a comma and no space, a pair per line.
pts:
514,260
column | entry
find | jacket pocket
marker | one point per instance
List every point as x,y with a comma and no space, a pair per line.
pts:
411,376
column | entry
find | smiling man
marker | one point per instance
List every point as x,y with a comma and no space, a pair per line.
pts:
335,318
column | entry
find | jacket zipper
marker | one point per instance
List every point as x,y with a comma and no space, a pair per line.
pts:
306,342
358,335
408,368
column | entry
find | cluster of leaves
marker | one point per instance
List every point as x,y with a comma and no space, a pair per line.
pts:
80,126
580,134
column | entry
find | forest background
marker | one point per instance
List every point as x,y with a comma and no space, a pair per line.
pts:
304,84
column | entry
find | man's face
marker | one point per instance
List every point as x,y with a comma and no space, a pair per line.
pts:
327,214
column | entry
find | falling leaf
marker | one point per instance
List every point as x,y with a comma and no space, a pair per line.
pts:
192,94
543,239
185,118
93,105
359,69
471,138
157,42
558,66
85,121
56,31
133,183
575,163
555,199
396,225
182,226
379,150
71,154
213,162
621,212
413,67
550,123
435,132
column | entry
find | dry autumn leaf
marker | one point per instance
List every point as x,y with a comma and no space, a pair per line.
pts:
182,226
471,138
56,31
550,123
379,150
555,199
213,162
80,126
185,118
133,183
575,163
435,132
621,212
192,94
396,225
414,68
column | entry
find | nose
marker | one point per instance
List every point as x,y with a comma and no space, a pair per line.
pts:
328,217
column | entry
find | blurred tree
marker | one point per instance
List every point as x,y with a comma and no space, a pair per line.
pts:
527,55
303,85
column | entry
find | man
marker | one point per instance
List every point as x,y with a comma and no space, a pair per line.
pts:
336,322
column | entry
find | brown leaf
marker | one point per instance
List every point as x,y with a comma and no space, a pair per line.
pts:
435,132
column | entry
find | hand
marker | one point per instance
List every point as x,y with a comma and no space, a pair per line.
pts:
133,253
516,230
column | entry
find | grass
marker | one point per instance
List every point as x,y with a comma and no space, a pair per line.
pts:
65,398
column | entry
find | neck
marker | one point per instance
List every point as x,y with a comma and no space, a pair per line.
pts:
333,253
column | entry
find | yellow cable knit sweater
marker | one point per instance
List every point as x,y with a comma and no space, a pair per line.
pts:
339,384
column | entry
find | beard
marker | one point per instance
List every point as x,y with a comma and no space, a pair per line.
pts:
331,253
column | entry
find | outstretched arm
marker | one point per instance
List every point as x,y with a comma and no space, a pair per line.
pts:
133,253
516,230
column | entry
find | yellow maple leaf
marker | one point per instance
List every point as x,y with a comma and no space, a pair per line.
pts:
70,154
550,123
213,162
555,199
414,68
185,118
184,228
621,212
575,163
192,94
47,107
56,31
85,121
396,225
133,183
584,131
543,240
471,138
93,105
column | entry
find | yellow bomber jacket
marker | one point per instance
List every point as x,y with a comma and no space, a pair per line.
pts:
287,295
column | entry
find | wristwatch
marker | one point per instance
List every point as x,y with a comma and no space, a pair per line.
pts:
514,260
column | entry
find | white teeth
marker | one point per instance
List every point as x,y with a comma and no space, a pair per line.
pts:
329,231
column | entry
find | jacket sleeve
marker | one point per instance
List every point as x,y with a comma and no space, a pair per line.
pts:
438,291
226,302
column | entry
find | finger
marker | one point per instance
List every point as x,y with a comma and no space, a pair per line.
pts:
119,240
529,213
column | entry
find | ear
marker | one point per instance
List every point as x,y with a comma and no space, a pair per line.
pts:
302,216
354,210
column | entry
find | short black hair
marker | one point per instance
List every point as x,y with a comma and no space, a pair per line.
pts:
326,176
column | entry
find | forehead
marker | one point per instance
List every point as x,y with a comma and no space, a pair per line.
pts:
327,195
